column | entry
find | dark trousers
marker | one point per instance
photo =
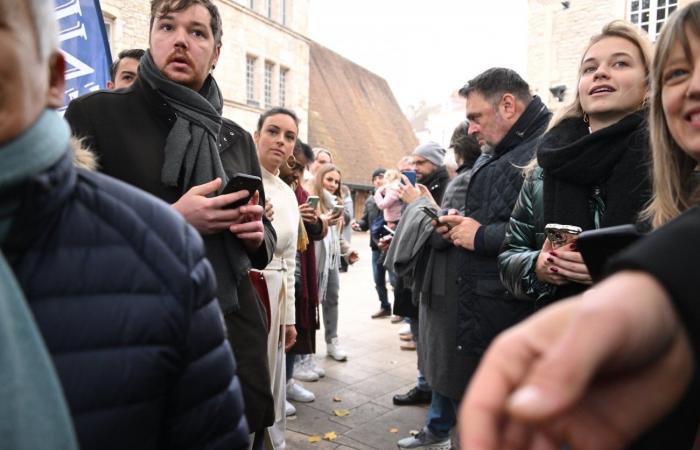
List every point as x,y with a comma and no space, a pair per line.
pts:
379,273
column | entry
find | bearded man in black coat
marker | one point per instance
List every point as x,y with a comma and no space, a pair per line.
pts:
165,135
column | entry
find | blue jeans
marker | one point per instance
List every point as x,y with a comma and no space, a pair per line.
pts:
421,383
442,415
379,273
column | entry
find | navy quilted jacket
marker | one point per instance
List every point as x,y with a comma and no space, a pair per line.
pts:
485,306
124,299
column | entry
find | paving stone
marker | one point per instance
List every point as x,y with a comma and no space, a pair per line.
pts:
311,421
361,415
378,385
349,399
376,434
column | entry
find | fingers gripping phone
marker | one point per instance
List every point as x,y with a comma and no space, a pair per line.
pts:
312,201
433,215
240,182
337,210
411,175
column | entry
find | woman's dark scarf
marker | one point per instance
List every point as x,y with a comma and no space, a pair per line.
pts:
191,149
613,159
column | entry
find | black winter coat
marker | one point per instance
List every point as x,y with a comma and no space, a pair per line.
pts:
370,213
485,307
127,130
124,299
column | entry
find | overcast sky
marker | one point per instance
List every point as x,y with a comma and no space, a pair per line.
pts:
425,49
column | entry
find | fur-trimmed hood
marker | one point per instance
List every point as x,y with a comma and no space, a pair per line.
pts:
83,157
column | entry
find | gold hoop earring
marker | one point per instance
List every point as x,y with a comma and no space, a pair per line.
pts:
585,118
291,162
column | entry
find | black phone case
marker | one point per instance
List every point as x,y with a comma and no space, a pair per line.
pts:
598,246
239,182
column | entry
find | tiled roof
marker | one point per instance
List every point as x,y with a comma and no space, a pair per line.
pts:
353,113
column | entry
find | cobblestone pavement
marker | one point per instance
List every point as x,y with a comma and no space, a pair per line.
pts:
376,369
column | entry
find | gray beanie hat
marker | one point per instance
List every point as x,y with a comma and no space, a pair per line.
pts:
432,151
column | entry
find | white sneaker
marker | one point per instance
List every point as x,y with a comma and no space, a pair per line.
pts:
303,372
296,392
334,350
308,362
406,329
289,409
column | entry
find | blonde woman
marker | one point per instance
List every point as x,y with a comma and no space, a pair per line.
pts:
326,185
600,370
591,171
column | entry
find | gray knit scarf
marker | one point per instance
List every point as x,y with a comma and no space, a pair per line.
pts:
191,150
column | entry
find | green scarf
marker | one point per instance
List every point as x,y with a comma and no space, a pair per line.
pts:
33,412
39,147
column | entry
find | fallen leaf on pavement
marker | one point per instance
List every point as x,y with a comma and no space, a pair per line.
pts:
314,439
393,430
330,436
341,412
337,399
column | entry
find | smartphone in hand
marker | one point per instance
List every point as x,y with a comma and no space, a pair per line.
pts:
411,175
312,201
433,215
240,182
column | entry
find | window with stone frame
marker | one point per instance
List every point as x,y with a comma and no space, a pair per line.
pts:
250,80
269,9
282,88
269,67
650,15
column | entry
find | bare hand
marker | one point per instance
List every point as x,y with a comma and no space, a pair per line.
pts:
353,257
333,219
408,193
290,336
355,226
590,372
384,243
269,210
569,264
249,227
544,264
463,230
307,213
207,214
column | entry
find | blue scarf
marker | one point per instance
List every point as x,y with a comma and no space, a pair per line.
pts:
39,147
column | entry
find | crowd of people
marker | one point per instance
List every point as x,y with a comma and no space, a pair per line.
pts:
164,272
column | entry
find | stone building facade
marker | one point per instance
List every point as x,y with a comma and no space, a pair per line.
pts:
558,33
264,56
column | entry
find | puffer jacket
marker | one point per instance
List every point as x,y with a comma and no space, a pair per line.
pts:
524,237
525,233
124,298
485,306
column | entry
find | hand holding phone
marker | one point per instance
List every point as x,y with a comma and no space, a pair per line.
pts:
561,235
313,201
411,175
337,210
240,182
434,216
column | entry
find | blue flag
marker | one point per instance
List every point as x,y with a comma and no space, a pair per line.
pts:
83,42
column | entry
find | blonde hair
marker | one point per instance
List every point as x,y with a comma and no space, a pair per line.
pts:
317,188
672,167
391,175
616,28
